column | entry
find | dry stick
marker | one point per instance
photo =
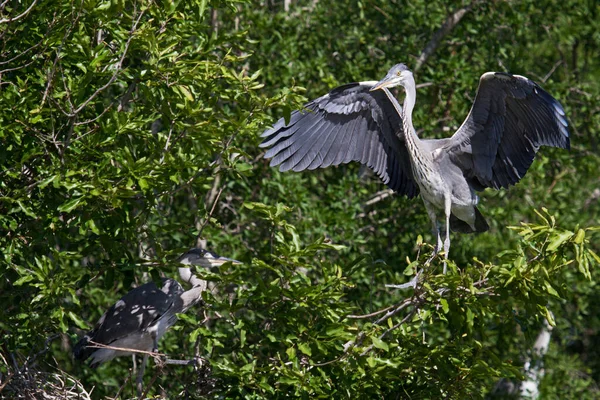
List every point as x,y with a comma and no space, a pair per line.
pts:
152,354
445,29
549,74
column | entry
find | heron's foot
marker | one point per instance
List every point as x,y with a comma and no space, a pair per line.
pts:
411,284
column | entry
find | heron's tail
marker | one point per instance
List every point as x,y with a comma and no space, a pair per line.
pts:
81,351
458,225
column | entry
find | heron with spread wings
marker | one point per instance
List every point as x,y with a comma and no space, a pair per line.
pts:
510,119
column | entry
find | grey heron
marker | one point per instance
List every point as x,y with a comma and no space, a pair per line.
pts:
140,318
494,147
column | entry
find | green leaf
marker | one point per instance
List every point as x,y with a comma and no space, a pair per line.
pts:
26,210
444,304
380,344
78,321
71,204
558,240
291,353
305,348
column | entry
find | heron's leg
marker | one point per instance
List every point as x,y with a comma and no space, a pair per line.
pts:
448,210
411,284
183,362
435,229
139,381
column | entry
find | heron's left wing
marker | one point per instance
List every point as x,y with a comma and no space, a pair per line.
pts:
350,123
510,119
132,314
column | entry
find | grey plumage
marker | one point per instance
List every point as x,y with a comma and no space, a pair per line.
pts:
141,317
138,313
510,119
348,124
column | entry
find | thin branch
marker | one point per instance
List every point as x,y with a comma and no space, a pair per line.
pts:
21,54
89,121
6,20
96,345
373,314
117,69
406,318
19,67
162,157
549,74
212,210
445,29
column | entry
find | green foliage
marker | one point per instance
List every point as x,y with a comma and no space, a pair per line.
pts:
129,130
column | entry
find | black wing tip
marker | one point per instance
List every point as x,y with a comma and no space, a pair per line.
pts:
82,351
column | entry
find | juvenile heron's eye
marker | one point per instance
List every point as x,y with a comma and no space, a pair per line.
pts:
398,73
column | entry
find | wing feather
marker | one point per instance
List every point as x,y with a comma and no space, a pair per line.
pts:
350,123
510,119
135,312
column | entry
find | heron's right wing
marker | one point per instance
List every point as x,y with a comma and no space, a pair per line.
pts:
350,123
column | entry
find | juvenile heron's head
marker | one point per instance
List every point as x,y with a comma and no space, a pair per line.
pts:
399,74
204,258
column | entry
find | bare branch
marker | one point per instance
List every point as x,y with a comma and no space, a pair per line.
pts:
89,121
96,345
549,74
373,314
24,13
445,29
118,68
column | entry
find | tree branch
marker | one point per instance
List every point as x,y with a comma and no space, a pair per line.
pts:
445,29
118,68
24,13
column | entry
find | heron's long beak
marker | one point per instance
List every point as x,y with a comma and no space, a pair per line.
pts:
385,82
216,262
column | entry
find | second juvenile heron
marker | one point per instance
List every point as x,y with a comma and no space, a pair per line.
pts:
510,119
140,318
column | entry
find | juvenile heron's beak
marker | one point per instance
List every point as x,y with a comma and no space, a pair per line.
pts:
205,258
216,262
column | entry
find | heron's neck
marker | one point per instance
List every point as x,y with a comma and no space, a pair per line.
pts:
413,143
409,105
193,295
187,276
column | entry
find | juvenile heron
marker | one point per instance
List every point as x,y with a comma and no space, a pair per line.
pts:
510,119
140,318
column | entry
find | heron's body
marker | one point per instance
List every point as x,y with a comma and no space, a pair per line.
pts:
140,318
137,322
510,119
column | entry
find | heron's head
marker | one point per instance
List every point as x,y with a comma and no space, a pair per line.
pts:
399,74
204,258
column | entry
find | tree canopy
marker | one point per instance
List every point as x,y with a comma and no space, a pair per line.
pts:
129,133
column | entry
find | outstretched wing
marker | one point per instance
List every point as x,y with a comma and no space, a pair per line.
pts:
510,119
350,123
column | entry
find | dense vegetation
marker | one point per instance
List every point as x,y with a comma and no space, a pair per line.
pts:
129,133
